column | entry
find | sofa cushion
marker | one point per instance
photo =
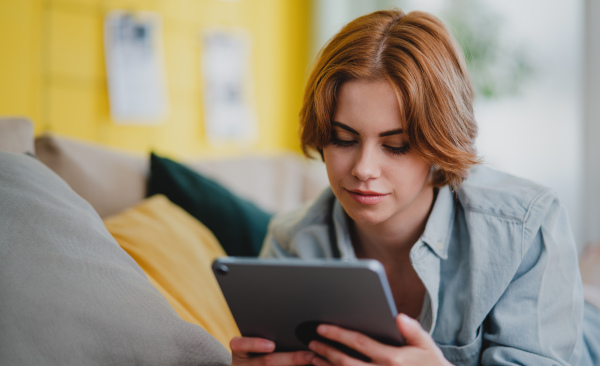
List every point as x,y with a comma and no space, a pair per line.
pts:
239,225
70,294
176,252
276,183
109,179
16,135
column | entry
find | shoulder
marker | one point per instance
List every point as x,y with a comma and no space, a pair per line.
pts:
491,192
313,213
306,225
513,208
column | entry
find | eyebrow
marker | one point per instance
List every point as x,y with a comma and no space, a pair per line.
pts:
397,131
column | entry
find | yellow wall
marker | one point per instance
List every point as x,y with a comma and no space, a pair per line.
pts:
52,69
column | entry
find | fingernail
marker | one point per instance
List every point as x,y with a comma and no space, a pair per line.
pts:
322,329
406,319
270,346
309,356
312,346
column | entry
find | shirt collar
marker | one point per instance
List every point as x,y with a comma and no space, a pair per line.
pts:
439,225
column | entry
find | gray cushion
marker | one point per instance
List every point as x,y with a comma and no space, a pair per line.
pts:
69,295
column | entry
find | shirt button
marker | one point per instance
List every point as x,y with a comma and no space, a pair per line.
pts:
440,245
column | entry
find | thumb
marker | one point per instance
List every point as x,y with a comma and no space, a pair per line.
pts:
413,333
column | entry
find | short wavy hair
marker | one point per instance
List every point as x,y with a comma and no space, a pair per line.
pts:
419,57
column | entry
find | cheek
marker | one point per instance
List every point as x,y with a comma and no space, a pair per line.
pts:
420,172
330,156
413,173
336,163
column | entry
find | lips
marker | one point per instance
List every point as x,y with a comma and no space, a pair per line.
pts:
366,197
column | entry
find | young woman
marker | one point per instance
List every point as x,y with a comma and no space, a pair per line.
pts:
482,265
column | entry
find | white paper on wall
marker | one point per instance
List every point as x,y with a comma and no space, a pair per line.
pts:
229,113
135,67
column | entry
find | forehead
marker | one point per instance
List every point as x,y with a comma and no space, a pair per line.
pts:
368,103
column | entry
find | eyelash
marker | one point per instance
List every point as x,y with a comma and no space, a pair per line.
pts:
401,150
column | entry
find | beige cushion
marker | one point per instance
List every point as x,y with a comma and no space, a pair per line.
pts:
16,135
276,183
110,180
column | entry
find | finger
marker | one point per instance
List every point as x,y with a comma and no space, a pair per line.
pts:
247,345
318,361
332,356
352,339
297,358
413,333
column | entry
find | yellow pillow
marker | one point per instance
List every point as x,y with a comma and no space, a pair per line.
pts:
176,251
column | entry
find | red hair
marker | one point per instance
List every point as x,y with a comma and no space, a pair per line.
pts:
418,56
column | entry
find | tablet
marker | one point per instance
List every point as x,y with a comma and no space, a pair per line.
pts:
285,299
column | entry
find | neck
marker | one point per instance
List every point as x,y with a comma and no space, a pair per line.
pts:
395,237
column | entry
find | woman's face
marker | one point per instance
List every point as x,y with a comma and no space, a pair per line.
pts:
372,170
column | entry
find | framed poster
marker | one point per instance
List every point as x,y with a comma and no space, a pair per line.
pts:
227,86
135,67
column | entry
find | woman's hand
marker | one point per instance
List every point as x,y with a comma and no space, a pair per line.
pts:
420,349
247,351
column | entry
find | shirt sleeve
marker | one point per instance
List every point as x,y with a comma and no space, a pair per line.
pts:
272,248
538,319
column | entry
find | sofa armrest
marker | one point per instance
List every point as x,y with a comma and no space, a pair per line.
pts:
109,179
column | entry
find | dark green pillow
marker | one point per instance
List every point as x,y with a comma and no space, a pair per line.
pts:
239,225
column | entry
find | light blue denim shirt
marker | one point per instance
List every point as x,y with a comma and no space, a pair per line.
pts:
497,258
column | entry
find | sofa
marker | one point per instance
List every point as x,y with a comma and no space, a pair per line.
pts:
105,255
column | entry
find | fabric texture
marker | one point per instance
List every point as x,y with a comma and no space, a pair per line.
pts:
16,135
109,179
499,246
70,294
239,225
176,252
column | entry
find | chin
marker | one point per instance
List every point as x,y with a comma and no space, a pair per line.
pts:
369,217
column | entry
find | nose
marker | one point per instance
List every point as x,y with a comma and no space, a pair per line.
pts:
366,165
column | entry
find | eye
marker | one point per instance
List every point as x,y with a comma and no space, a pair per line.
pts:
342,143
342,139
398,150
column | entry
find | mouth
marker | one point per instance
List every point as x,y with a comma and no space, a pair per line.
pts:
367,197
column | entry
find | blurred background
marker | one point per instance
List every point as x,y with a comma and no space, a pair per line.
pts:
227,78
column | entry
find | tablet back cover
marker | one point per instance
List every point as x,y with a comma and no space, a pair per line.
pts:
284,300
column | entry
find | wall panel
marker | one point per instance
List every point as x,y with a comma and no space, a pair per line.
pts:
55,70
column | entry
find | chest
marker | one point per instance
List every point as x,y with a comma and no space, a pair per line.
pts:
408,290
